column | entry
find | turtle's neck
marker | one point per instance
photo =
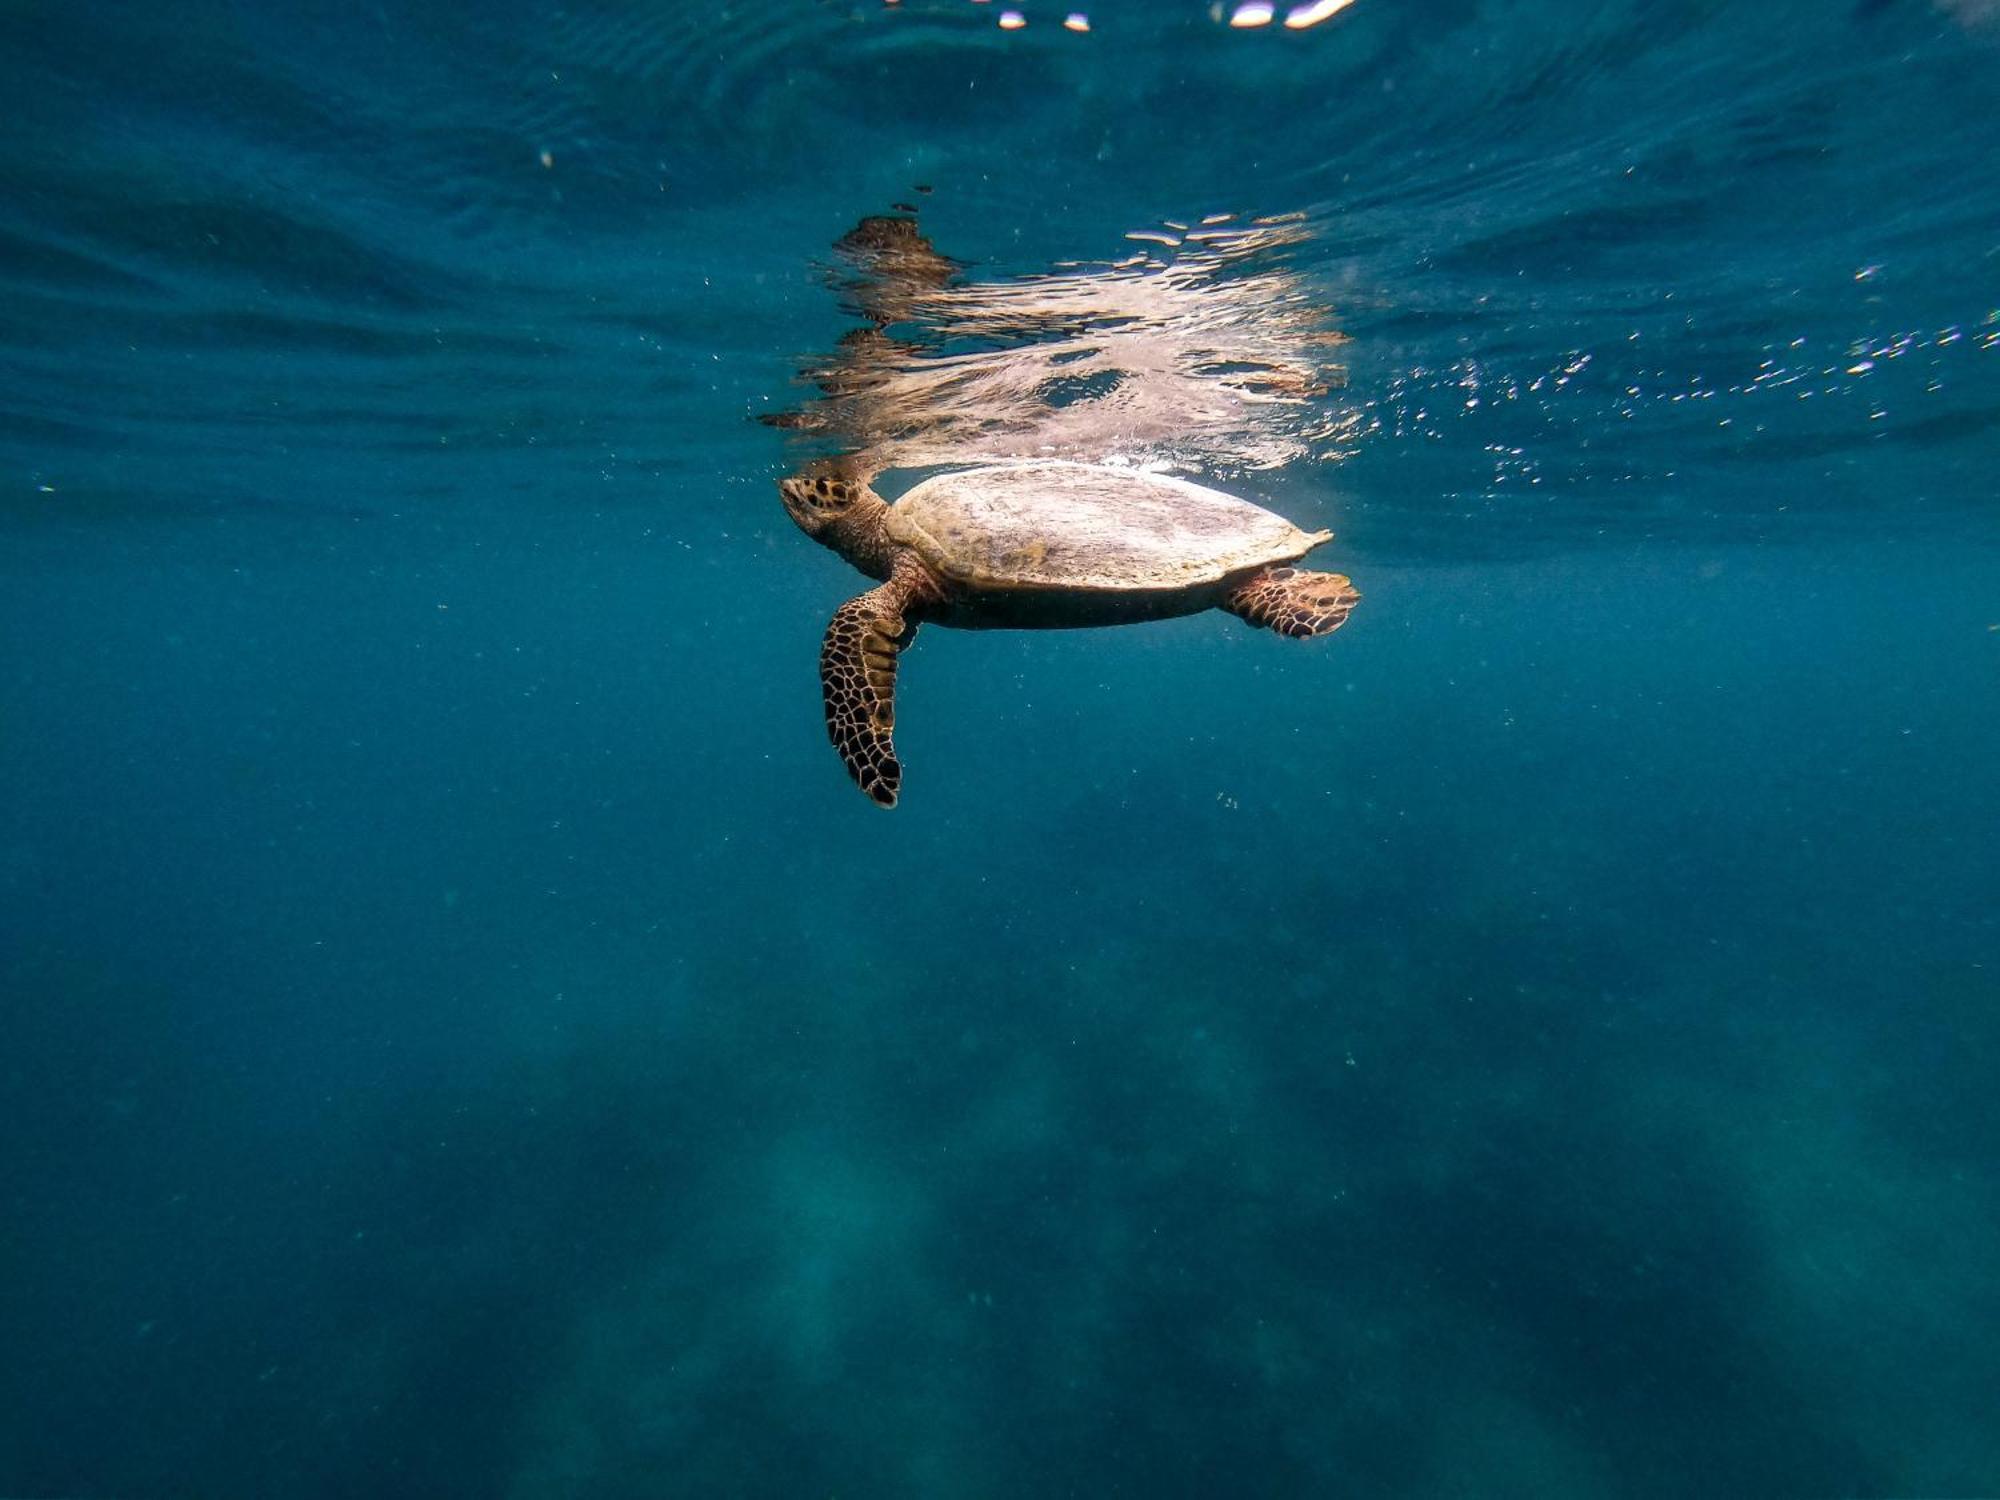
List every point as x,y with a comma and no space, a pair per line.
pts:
861,536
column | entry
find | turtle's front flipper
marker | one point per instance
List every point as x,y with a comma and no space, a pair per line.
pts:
1294,601
857,670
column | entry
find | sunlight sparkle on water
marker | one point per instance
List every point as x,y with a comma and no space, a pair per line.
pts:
1299,17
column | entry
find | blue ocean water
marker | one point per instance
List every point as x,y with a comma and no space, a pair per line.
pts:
461,1033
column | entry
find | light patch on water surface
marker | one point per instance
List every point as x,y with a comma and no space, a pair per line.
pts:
1251,14
1299,17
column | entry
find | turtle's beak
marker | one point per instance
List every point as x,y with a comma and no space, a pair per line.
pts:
804,514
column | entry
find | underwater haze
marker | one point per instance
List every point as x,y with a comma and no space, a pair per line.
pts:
463,1034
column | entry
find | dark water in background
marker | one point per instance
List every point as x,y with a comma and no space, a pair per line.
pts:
463,1035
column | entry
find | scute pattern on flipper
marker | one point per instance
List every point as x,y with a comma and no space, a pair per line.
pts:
1297,602
857,665
857,672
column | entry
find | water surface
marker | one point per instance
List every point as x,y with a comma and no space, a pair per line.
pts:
464,1035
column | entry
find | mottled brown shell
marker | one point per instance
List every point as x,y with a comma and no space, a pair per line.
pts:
1087,527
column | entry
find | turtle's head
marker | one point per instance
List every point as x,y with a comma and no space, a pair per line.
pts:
819,501
837,511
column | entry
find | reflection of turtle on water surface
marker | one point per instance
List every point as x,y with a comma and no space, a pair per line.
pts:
1037,544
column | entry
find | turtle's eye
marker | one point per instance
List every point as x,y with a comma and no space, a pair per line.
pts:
828,496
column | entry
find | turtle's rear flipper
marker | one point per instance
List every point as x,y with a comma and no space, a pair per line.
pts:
1294,601
857,671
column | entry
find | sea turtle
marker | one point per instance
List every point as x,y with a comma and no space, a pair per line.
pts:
1037,544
